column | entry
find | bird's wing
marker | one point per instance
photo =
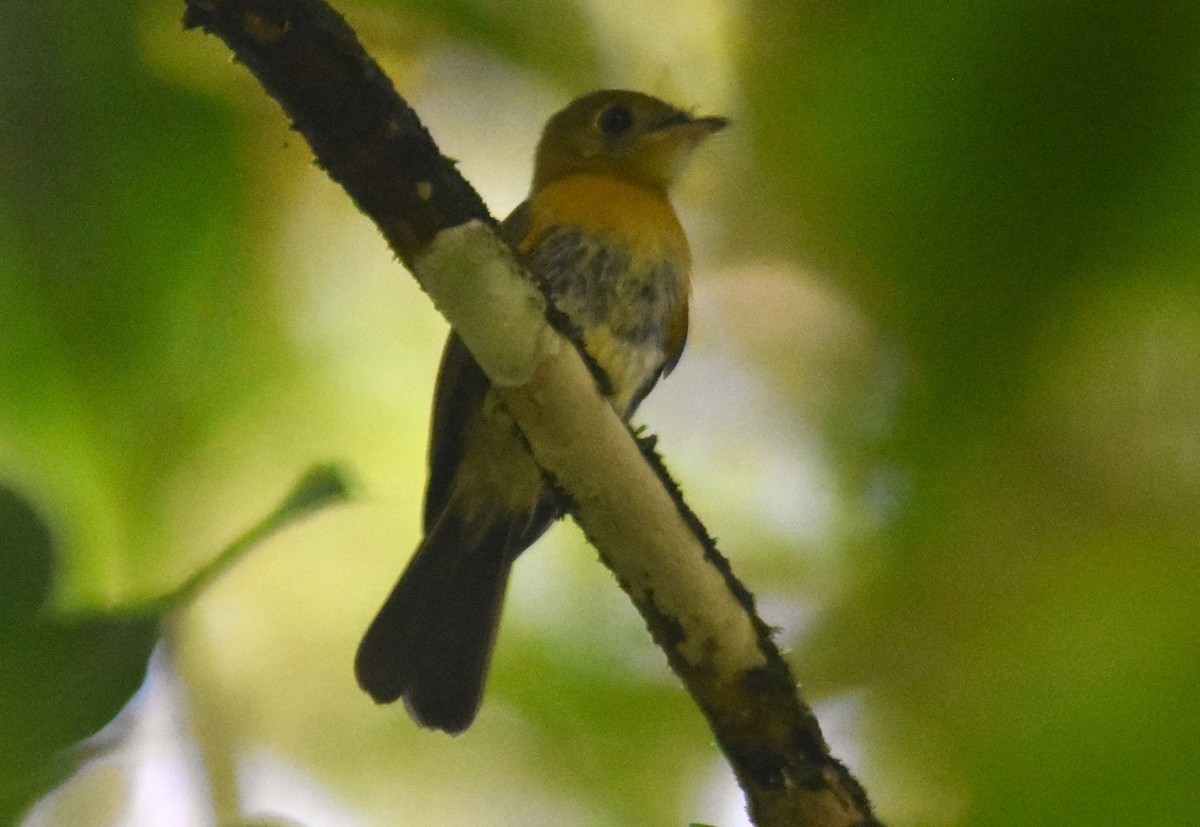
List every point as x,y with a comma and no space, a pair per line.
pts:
459,393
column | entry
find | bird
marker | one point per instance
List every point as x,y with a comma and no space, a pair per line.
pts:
601,238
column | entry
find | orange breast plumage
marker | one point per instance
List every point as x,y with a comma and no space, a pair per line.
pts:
614,260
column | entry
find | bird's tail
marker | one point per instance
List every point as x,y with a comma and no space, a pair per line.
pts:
431,643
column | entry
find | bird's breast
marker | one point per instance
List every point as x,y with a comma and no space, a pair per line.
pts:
614,260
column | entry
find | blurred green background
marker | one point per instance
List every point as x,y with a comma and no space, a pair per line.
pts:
941,405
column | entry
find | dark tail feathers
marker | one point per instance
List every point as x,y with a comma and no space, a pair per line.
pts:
431,643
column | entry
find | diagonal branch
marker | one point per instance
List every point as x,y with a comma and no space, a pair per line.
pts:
368,140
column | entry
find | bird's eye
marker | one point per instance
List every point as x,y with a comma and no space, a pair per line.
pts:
615,121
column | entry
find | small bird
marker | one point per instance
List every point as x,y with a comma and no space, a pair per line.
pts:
598,232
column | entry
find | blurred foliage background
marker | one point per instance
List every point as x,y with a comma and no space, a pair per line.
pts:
941,405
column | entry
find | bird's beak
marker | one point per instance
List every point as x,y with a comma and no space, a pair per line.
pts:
710,124
665,150
692,130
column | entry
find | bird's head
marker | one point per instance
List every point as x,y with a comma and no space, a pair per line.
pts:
629,135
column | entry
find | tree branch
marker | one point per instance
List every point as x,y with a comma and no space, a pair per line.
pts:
368,140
